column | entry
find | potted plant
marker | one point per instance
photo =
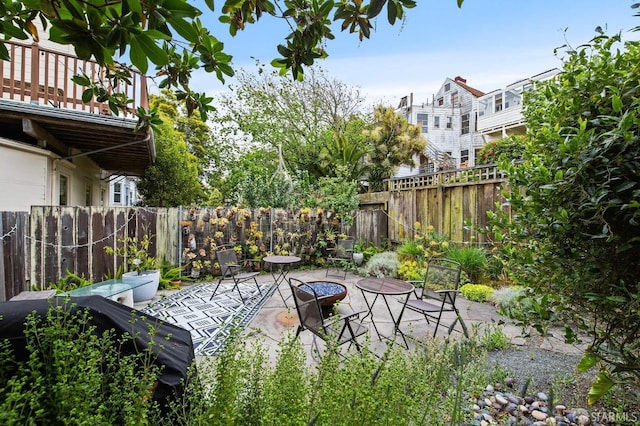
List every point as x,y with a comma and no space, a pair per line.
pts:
358,254
141,266
170,276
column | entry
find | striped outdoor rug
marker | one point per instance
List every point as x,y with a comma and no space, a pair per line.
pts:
209,322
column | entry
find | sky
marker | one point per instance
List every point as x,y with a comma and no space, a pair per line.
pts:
490,43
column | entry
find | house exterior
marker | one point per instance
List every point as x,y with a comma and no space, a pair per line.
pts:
461,119
448,124
500,111
56,150
123,191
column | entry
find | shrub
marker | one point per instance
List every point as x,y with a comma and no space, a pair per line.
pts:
572,227
493,338
410,250
506,298
473,261
73,375
476,292
410,270
385,264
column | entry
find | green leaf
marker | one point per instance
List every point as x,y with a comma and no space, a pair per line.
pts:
4,53
375,6
137,56
11,31
616,103
587,362
87,95
600,386
393,12
150,49
184,28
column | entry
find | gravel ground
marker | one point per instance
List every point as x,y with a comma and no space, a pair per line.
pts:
544,367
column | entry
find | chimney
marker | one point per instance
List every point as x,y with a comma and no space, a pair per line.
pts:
460,79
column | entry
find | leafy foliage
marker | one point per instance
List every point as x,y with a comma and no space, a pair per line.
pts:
511,147
476,292
575,228
171,36
472,259
339,194
173,179
74,375
394,142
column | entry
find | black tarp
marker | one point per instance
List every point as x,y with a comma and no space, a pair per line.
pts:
173,347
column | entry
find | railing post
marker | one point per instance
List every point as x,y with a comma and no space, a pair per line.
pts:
35,73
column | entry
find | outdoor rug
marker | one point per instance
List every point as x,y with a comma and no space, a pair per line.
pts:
210,322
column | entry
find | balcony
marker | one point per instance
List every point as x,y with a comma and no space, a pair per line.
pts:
42,76
41,106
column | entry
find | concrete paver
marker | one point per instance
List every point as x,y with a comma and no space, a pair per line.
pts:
276,320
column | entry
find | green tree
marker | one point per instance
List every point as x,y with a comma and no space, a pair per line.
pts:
174,178
339,194
346,147
128,34
394,142
575,228
300,117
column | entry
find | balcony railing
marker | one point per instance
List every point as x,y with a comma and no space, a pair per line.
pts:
43,76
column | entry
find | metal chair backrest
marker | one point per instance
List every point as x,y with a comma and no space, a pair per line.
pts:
228,262
344,248
442,274
307,306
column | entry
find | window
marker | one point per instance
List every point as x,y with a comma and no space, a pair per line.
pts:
117,193
464,156
423,122
440,101
447,87
436,122
449,122
511,99
465,124
484,107
63,194
454,99
499,102
476,155
87,193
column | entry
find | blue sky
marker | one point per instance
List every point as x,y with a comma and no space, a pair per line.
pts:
491,43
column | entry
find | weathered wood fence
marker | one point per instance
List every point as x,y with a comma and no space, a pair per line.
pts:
38,247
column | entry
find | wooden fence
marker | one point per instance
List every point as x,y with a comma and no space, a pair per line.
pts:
39,247
444,201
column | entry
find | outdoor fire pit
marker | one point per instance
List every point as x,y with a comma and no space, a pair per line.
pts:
328,293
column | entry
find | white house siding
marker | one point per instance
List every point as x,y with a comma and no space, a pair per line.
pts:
452,100
23,176
30,176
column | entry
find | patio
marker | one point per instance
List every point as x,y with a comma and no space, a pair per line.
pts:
274,320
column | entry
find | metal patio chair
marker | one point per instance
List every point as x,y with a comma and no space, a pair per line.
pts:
337,329
434,303
230,269
340,258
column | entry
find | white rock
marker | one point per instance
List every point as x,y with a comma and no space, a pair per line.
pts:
584,420
539,415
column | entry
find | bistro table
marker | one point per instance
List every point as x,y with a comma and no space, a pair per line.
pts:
384,288
280,268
